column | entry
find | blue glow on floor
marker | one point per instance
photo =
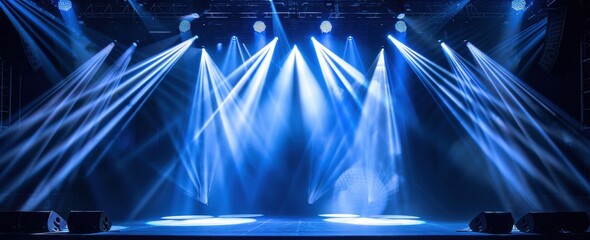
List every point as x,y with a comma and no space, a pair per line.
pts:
376,221
196,222
186,217
339,215
240,216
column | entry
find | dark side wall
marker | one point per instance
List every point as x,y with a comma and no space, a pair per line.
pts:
562,84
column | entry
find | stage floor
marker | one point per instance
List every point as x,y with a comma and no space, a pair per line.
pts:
280,227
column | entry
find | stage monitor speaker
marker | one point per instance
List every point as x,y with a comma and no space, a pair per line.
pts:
539,222
574,221
492,222
37,222
88,222
9,221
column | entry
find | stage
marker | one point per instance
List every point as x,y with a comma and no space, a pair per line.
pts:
283,227
138,110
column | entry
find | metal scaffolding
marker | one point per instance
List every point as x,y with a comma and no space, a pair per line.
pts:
585,67
5,95
351,9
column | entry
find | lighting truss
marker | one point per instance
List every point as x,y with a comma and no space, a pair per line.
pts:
311,9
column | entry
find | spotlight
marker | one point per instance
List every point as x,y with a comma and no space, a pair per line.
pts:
88,222
553,222
234,38
38,222
184,26
195,15
401,26
259,26
64,5
518,5
539,222
492,222
349,38
9,221
401,16
326,26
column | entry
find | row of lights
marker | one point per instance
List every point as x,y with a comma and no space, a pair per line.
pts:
326,26
259,26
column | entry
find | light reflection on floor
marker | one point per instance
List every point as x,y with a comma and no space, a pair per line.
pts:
204,220
201,222
375,221
235,219
395,216
185,217
339,215
118,228
240,216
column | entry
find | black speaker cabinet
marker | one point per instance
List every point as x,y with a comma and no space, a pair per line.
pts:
37,222
88,222
492,222
539,222
9,221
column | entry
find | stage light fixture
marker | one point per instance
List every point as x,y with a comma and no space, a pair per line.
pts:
401,16
64,5
38,222
492,222
518,5
539,222
326,26
184,26
9,221
88,222
349,38
553,222
195,15
401,26
259,26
